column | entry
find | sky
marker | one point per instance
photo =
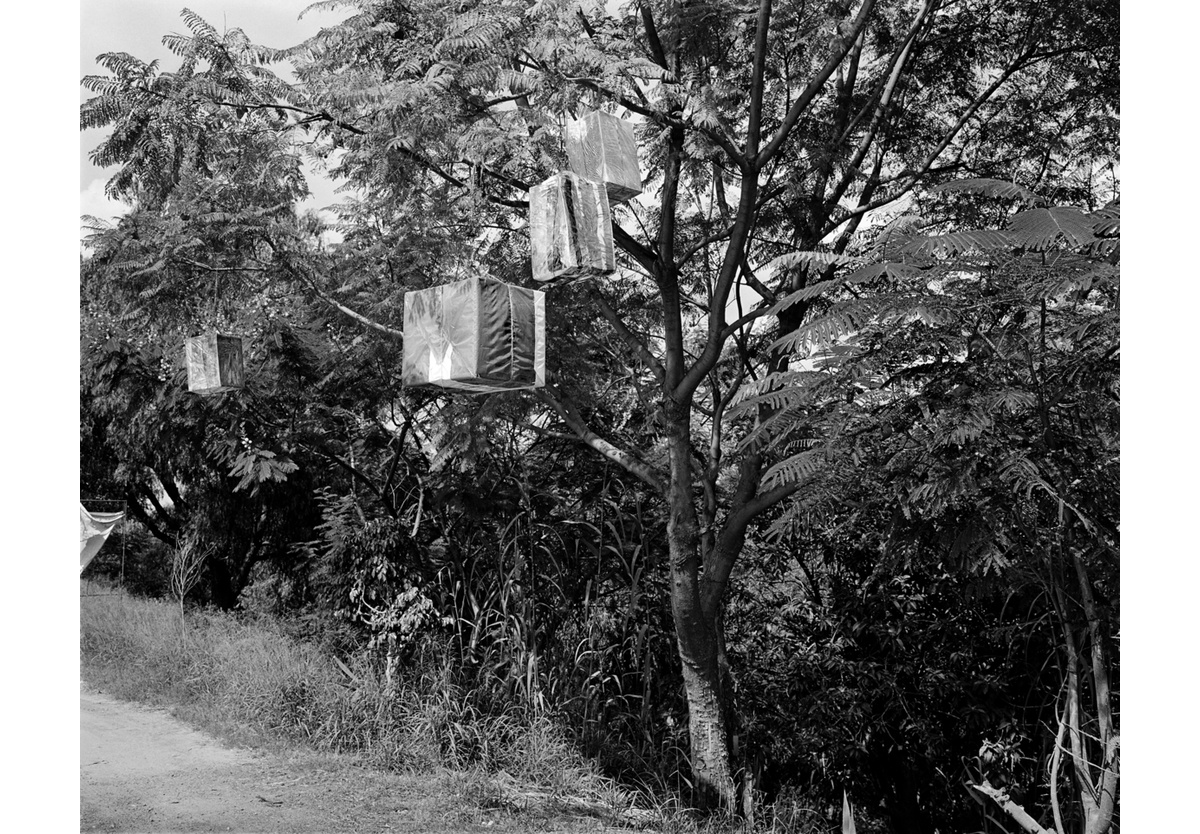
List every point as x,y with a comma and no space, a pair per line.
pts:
138,26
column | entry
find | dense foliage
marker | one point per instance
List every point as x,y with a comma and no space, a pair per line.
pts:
821,496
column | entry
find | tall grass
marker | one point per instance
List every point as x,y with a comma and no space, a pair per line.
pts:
249,681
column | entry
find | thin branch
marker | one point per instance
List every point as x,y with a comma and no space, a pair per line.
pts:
914,176
359,317
1054,766
354,473
635,344
899,62
199,265
844,46
708,239
571,416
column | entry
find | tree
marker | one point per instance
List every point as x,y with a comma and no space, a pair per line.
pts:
976,404
187,562
203,183
769,134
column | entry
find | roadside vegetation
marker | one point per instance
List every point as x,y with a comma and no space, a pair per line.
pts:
250,682
820,498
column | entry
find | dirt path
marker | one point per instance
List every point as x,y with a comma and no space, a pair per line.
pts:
142,770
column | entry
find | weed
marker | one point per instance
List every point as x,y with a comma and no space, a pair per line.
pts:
247,680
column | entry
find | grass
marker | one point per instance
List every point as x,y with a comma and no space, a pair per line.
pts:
253,685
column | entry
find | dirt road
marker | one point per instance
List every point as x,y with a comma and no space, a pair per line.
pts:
142,770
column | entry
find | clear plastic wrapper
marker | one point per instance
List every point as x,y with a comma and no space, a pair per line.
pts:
602,147
478,335
570,229
215,363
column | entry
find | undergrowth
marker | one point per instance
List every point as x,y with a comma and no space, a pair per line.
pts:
249,681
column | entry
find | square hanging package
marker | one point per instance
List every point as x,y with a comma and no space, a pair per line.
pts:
478,335
602,147
570,229
214,363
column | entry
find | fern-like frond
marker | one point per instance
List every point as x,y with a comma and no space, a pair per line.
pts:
988,187
1022,476
804,294
1013,400
769,383
842,319
177,44
887,268
328,6
1041,228
787,389
1059,285
858,276
794,469
969,426
1108,220
951,245
806,259
893,236
198,25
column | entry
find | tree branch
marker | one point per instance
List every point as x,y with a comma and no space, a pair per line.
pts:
758,73
885,99
1019,815
814,86
630,339
359,317
656,48
641,253
135,507
571,416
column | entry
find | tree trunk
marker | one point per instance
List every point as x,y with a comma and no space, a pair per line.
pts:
220,584
696,634
707,728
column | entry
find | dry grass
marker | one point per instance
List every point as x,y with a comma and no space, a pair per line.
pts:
252,684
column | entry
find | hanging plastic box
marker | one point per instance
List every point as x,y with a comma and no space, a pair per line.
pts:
602,147
215,363
478,335
570,229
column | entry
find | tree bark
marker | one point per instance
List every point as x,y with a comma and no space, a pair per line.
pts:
696,631
707,725
1100,812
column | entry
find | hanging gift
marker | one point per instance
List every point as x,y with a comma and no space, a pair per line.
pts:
601,147
570,229
214,363
478,335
